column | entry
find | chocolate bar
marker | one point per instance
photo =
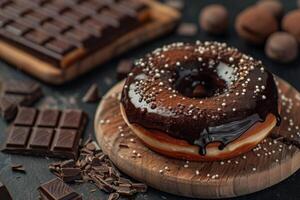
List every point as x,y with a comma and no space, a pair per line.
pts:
56,189
48,132
4,194
18,93
62,32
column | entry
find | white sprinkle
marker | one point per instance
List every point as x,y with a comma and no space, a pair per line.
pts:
197,172
253,169
263,97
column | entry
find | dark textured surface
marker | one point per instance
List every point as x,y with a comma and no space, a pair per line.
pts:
24,187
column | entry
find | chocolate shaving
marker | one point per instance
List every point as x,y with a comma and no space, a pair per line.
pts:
18,168
94,166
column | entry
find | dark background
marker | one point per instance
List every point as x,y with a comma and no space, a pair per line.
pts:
23,187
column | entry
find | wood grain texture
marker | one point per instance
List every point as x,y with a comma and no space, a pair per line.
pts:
163,20
272,161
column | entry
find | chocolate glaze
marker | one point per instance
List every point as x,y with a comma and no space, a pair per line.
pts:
201,93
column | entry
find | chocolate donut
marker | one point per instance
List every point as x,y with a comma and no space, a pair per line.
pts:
200,93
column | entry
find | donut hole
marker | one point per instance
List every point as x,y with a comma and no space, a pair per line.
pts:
197,82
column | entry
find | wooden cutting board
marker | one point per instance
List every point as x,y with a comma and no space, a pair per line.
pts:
272,161
163,20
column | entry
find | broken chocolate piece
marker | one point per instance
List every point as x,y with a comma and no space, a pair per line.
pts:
50,133
4,193
56,189
18,93
92,95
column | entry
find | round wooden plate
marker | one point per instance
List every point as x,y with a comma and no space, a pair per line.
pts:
273,160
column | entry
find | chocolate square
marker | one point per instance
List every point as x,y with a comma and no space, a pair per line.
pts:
38,36
56,26
71,119
41,138
60,46
65,140
16,28
48,118
18,136
26,116
73,16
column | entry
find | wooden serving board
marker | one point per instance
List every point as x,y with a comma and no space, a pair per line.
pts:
163,20
272,161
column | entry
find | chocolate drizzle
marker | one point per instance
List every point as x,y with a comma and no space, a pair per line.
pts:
202,93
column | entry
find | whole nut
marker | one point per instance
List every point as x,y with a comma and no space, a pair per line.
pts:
282,47
214,19
255,25
290,23
273,6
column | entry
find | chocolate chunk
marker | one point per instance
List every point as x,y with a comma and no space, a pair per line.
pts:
123,69
255,25
18,93
57,189
282,47
4,193
70,174
21,87
50,133
290,23
214,19
92,95
187,29
8,109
